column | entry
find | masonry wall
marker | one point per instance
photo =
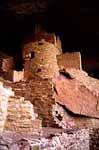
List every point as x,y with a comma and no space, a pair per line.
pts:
21,117
4,94
70,60
41,94
40,59
16,113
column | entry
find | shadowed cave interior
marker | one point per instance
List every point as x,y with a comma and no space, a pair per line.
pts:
64,21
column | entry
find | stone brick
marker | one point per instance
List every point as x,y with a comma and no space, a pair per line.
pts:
68,120
69,60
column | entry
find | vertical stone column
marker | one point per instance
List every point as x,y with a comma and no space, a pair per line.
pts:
40,59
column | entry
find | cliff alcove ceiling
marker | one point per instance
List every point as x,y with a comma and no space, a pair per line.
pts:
75,22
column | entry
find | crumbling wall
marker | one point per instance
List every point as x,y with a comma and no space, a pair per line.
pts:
49,37
41,94
4,94
21,116
6,66
17,114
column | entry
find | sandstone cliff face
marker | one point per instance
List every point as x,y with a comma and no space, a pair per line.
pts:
77,97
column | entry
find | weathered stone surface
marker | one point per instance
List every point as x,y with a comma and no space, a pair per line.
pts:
77,96
21,117
16,113
72,139
40,59
41,34
6,66
41,94
69,60
4,95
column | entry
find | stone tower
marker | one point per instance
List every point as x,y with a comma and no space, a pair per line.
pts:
40,57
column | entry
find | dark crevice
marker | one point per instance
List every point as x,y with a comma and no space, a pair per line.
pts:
32,54
55,90
73,114
65,74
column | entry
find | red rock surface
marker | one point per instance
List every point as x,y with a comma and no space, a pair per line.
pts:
76,95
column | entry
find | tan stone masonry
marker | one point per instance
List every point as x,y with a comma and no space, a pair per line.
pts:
17,114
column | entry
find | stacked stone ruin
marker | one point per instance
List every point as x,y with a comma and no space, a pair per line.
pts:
51,91
17,114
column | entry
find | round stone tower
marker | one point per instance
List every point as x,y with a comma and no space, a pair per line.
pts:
40,59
